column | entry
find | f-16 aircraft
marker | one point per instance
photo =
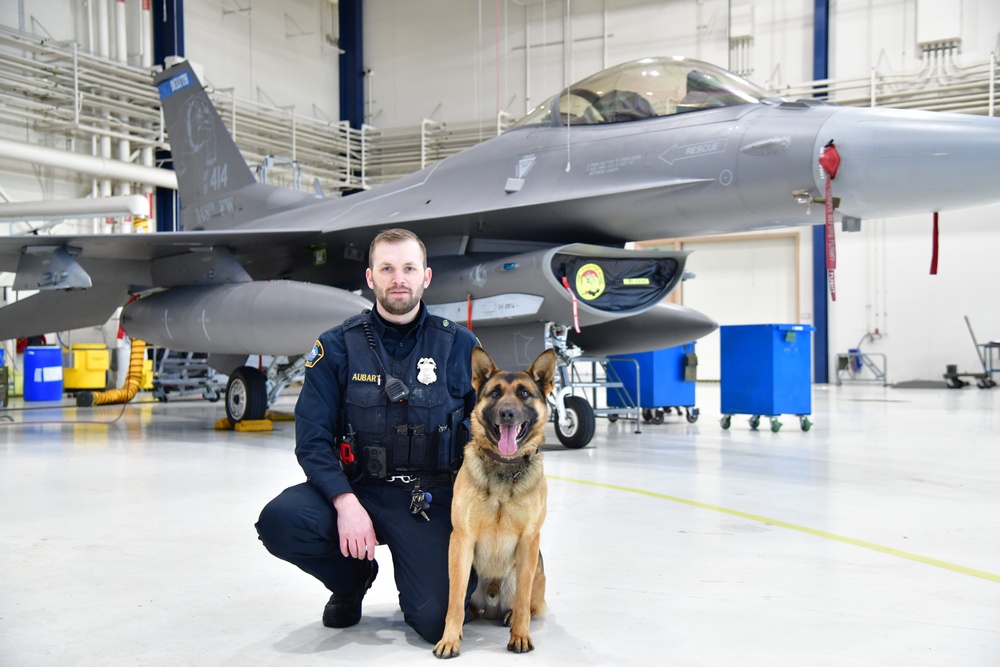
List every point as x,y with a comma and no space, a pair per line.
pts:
525,232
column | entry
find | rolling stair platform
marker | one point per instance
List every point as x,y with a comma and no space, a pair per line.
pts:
575,416
185,373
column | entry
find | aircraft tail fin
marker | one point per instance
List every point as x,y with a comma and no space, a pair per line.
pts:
210,169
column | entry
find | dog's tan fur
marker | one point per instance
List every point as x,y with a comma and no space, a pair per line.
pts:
499,505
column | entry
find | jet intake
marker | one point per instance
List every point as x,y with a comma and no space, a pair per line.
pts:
281,317
607,283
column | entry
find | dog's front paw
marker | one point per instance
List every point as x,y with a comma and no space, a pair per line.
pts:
520,644
448,647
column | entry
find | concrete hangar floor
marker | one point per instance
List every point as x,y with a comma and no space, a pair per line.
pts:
871,539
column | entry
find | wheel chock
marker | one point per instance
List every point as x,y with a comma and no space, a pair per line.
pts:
278,416
254,425
245,426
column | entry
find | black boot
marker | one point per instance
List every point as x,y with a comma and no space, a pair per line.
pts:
343,611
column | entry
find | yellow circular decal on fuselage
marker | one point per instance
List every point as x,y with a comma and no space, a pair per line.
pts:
590,282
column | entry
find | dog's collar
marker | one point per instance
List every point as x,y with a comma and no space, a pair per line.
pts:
522,461
503,459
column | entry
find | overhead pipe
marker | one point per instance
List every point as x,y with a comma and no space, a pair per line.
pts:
146,155
993,74
103,151
121,43
121,55
95,166
133,205
103,38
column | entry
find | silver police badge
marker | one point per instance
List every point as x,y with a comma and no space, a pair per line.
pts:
425,370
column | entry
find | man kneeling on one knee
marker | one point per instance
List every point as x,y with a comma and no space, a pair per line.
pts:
379,430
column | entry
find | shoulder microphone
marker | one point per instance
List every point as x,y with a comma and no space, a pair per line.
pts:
395,389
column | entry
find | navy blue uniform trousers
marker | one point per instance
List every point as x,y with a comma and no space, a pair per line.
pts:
300,526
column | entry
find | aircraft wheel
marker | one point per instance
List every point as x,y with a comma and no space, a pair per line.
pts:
581,428
246,395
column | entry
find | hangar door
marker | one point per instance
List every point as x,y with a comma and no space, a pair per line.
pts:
749,280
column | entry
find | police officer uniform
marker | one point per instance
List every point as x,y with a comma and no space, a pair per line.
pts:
398,447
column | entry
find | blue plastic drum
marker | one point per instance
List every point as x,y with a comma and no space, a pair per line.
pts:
43,374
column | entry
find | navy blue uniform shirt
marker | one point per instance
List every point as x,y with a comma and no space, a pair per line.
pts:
317,434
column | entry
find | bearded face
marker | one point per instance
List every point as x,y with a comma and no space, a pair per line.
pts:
398,278
397,299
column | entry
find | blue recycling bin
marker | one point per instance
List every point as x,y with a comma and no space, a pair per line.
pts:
766,370
666,379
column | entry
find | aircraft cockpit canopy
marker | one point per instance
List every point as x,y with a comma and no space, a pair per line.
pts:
647,88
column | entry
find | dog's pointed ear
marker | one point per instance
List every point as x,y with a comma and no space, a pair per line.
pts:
543,371
483,367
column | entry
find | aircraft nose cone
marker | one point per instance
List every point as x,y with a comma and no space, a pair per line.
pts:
897,162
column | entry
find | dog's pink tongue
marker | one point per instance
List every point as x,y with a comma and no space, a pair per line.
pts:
508,439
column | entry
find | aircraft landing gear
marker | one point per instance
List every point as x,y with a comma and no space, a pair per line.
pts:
246,395
575,428
250,392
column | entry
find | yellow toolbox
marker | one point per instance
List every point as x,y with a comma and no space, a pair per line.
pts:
88,367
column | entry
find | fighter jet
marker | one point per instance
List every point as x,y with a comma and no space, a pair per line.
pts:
525,232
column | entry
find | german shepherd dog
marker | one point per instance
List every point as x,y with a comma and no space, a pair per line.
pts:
499,503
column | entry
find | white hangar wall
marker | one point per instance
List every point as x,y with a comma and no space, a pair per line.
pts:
454,61
274,52
427,66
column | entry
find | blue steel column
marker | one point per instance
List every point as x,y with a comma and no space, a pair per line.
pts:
821,358
168,40
352,76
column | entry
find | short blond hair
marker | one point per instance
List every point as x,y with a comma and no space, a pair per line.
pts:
397,235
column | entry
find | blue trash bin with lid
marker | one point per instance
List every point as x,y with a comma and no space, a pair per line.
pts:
766,371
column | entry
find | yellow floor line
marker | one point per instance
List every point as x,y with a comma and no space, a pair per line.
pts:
988,576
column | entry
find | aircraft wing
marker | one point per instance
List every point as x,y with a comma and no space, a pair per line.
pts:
149,247
82,279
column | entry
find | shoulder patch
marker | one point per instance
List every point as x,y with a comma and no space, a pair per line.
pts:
315,355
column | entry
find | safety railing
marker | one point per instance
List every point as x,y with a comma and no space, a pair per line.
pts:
941,85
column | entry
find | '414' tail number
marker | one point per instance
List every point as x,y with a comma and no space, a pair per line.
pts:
219,178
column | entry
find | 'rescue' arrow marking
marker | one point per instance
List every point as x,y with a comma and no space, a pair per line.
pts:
699,149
